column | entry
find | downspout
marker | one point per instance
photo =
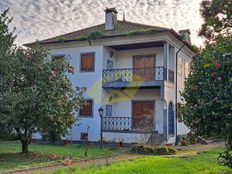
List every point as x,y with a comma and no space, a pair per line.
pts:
176,86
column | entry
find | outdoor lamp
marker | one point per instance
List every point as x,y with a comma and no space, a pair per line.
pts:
100,110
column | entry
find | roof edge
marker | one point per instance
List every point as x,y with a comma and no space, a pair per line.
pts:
172,31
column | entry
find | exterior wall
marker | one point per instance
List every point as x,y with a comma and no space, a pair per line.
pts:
121,104
181,127
90,80
170,90
122,107
124,58
126,137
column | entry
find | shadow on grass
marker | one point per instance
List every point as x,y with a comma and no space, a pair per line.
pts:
11,161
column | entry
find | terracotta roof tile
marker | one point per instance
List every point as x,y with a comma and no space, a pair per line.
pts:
122,28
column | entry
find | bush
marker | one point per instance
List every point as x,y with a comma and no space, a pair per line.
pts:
7,136
153,150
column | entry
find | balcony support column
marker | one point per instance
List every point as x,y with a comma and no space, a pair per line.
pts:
166,59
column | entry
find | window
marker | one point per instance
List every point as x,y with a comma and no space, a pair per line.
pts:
87,110
87,62
109,64
187,69
108,110
179,66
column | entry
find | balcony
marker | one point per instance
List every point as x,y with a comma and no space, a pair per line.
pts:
135,77
127,124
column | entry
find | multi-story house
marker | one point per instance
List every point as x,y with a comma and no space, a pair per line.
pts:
134,72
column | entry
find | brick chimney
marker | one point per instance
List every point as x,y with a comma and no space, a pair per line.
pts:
186,35
110,18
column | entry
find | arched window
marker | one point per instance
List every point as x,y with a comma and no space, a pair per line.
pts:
171,121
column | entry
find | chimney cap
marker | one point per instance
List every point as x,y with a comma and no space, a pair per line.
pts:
185,31
111,10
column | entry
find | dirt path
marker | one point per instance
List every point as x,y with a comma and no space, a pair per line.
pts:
200,147
81,163
183,151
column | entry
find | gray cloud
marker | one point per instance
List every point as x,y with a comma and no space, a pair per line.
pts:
40,19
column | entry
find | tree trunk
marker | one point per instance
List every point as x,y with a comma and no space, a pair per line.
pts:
24,147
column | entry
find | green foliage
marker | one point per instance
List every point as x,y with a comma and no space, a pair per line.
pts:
195,49
140,32
91,36
95,35
61,39
36,95
217,15
182,36
153,150
207,107
7,135
81,38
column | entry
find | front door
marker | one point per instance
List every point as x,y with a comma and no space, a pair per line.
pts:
143,115
144,67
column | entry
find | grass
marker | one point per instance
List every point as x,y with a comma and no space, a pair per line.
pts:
205,163
10,157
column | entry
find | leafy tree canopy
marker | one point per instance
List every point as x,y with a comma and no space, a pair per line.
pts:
36,95
207,107
217,15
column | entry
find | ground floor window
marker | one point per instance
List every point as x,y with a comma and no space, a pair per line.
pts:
87,110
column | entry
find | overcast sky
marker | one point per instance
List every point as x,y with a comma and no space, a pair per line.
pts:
40,19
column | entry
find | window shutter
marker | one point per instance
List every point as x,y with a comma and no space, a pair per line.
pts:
87,62
87,109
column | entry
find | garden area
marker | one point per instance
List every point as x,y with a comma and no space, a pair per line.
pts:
204,163
42,154
46,158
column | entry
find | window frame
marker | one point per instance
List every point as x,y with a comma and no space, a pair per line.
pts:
84,53
88,116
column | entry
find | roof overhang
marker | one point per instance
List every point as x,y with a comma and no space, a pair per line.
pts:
137,45
125,42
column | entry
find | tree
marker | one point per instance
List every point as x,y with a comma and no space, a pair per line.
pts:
36,94
217,15
207,96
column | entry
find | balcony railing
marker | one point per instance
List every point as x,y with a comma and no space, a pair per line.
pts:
127,124
134,74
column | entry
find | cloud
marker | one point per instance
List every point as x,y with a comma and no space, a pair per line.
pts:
40,19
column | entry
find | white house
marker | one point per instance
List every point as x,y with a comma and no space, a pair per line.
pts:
129,70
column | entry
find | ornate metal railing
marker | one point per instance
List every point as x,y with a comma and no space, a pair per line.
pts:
127,124
134,74
116,123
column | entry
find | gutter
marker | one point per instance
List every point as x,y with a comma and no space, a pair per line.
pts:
176,91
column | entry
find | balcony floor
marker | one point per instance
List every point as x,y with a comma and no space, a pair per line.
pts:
133,84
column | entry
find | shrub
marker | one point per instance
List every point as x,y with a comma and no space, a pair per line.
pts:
153,150
8,136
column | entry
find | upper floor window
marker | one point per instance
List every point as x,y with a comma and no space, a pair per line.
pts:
87,110
179,66
87,62
187,69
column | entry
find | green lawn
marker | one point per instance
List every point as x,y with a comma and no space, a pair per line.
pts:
201,164
10,157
